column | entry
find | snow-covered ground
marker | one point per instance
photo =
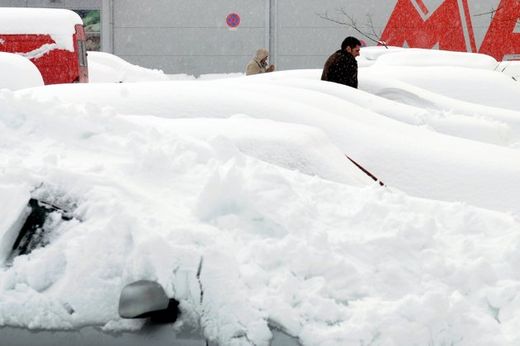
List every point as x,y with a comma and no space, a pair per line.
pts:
235,194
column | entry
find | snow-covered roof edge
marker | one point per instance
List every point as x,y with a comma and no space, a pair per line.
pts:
58,23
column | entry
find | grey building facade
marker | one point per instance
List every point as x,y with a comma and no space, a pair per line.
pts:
220,36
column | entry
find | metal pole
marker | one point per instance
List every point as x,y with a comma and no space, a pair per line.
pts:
273,9
107,26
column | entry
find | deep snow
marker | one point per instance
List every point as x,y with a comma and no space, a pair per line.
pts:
246,178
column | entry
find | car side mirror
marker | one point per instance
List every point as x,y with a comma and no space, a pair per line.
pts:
143,299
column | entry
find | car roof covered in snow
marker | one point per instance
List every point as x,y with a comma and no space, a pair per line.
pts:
58,23
14,20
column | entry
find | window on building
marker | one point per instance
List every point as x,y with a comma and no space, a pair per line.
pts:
92,23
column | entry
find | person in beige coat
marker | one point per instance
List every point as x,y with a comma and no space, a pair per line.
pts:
259,63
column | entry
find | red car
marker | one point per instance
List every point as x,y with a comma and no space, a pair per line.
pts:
53,39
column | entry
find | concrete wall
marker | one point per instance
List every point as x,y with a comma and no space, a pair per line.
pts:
70,4
304,39
191,37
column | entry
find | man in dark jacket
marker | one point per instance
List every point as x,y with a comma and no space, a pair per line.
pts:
341,67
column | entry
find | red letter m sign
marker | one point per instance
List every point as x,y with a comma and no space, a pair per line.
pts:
449,27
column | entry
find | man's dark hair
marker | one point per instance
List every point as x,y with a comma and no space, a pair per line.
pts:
351,42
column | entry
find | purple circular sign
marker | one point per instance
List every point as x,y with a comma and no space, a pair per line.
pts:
233,20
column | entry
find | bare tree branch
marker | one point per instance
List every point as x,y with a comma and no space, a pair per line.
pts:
372,27
492,13
350,22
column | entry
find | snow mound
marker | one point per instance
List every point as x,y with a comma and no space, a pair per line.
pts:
18,72
433,57
235,195
109,68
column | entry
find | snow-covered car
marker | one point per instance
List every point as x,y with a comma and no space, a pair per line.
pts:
233,200
108,68
53,39
32,222
18,72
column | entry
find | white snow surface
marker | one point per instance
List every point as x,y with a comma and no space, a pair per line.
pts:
236,196
109,68
18,72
